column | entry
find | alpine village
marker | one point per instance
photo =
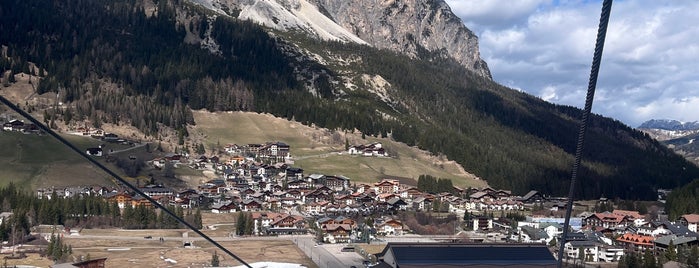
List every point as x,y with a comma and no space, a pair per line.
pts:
307,133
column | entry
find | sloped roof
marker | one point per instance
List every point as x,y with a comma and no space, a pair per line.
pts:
479,195
543,225
384,195
325,219
530,194
534,233
220,205
691,218
582,243
296,219
335,227
676,240
629,213
477,255
636,239
676,228
610,217
396,201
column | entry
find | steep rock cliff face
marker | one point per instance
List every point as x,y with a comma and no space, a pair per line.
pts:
408,26
411,27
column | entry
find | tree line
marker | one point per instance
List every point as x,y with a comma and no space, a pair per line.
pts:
430,184
683,200
244,224
85,211
684,255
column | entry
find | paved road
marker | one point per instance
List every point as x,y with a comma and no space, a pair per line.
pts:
322,255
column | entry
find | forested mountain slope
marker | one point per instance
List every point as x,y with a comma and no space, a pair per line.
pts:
134,62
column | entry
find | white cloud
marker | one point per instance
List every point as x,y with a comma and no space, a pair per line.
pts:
494,13
545,48
549,94
682,109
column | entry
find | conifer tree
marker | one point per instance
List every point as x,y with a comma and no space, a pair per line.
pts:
240,224
214,260
671,252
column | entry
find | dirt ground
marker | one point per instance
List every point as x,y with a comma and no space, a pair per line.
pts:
130,248
33,259
152,253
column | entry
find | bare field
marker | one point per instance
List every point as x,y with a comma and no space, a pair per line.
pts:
216,218
129,248
134,233
32,259
152,253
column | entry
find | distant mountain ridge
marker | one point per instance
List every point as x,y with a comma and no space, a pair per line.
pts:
668,124
668,129
682,137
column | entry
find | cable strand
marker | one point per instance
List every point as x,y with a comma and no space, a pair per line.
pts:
117,177
592,85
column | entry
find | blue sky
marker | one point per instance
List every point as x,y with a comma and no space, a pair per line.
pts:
650,65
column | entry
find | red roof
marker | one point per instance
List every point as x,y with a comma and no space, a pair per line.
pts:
636,239
691,218
630,213
610,217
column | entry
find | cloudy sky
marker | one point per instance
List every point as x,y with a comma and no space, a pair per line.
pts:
650,65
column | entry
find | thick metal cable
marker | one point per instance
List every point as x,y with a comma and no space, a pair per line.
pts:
119,178
592,85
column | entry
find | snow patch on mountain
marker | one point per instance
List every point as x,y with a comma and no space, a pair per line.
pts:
667,124
286,15
666,129
664,134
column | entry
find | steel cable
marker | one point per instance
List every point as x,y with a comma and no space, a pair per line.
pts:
117,177
592,84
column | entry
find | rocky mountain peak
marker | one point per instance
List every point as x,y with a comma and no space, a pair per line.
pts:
412,27
666,129
667,124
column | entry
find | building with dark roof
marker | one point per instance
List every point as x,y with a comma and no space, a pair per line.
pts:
409,255
533,196
663,243
533,235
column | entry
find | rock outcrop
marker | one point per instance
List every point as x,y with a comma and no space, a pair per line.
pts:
412,27
409,26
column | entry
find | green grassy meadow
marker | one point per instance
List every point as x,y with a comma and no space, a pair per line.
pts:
316,151
33,161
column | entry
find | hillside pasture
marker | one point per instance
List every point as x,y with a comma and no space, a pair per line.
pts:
35,161
322,151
